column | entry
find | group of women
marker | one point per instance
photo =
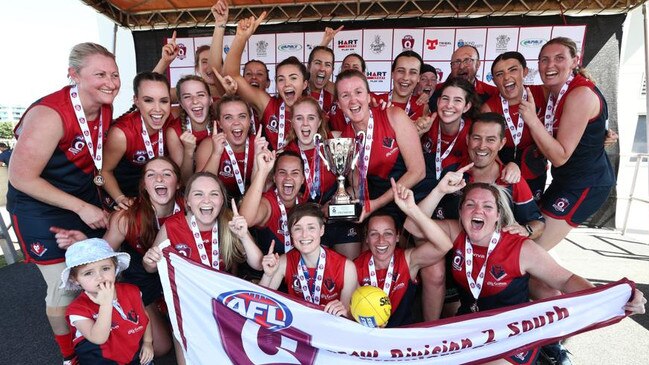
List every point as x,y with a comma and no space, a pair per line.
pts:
230,135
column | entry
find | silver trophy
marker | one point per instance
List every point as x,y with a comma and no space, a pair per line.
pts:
340,156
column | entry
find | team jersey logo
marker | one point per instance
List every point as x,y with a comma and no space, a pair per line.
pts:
561,204
458,260
497,272
38,249
139,157
77,144
388,142
272,124
183,249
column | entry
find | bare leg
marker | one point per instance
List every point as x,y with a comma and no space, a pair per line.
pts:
555,231
180,355
161,332
350,250
433,280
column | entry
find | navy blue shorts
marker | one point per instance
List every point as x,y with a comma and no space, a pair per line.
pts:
38,243
573,205
341,232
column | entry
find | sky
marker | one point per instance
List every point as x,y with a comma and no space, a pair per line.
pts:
37,44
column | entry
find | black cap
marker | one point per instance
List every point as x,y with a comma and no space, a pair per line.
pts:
428,68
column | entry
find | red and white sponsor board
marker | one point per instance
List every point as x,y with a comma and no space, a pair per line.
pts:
217,316
435,45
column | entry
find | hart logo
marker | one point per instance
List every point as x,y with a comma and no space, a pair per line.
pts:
373,76
243,314
349,44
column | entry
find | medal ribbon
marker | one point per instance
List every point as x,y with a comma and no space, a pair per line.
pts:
517,130
85,131
387,284
438,151
284,220
365,158
476,285
280,127
147,141
201,247
552,107
241,180
407,108
303,277
312,181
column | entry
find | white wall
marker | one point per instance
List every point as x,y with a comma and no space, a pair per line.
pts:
631,103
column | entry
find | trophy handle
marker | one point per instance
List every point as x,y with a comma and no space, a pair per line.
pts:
360,143
317,141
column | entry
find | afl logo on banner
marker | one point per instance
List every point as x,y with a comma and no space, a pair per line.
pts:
264,310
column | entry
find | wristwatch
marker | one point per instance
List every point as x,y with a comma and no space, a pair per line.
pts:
529,229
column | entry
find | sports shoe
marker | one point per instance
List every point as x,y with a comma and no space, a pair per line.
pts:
556,354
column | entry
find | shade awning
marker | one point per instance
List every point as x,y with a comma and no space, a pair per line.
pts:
156,14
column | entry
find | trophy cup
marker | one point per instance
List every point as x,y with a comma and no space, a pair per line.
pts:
340,156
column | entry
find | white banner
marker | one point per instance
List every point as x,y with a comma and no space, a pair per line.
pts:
217,316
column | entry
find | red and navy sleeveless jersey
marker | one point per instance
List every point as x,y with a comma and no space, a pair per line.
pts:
178,127
385,150
337,121
588,165
333,278
272,230
327,102
226,173
129,168
182,239
460,150
270,121
327,179
133,238
521,200
532,165
402,292
416,111
503,285
127,326
70,168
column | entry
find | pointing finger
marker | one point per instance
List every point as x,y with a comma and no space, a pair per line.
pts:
272,247
465,168
235,211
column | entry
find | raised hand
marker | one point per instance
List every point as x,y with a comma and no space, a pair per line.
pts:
270,261
218,142
329,35
238,224
424,123
188,139
453,180
527,108
229,84
170,50
403,197
220,12
66,237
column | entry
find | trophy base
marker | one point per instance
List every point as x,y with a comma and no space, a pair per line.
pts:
345,212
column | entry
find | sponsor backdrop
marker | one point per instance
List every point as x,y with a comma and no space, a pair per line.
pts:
218,316
380,46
